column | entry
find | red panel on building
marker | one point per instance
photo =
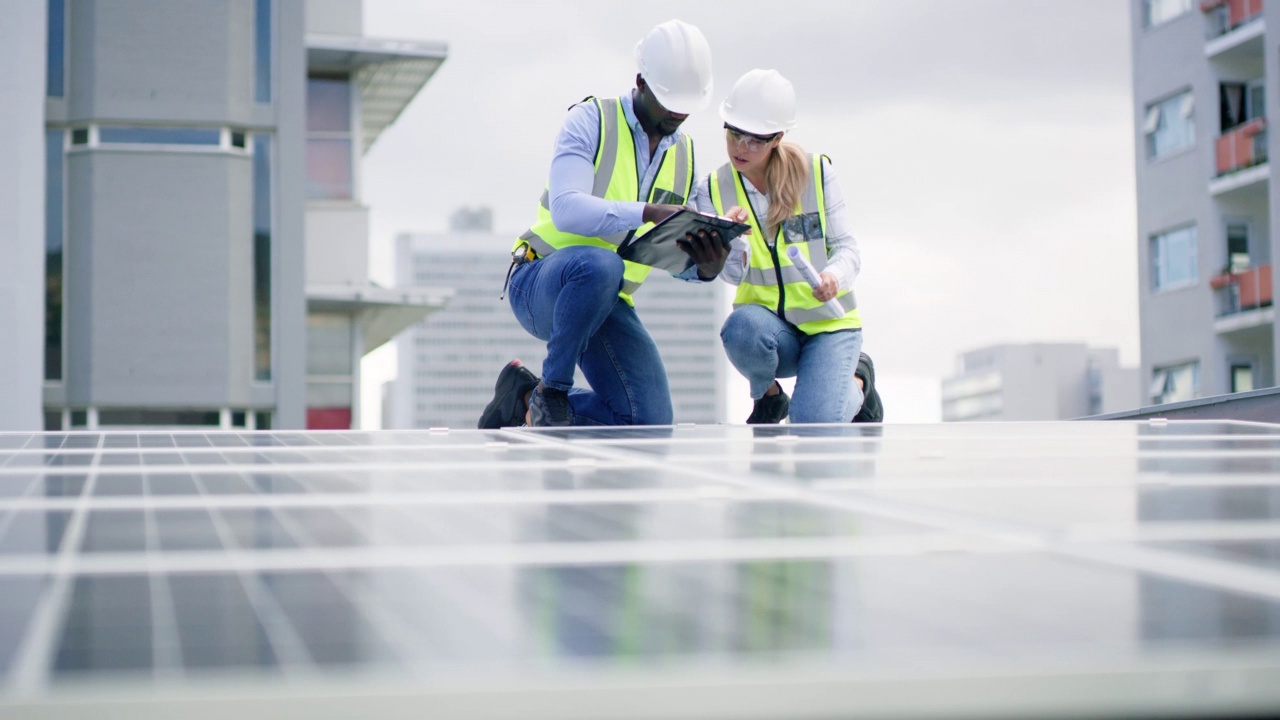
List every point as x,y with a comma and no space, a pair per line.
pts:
1255,287
338,418
1235,147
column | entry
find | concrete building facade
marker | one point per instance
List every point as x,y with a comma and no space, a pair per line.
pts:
198,182
22,215
447,364
1205,85
1039,381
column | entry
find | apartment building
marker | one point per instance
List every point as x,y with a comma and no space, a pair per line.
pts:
191,171
1205,77
1039,381
447,363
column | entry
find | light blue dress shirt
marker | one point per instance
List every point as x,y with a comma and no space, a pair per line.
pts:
573,208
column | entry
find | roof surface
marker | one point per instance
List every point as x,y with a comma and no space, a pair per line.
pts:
1121,569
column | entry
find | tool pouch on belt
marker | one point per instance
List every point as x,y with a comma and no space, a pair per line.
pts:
521,255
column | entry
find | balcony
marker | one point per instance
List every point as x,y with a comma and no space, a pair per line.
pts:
1242,147
1234,27
1244,299
1227,15
1241,157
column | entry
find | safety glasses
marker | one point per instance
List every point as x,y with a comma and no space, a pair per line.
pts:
748,141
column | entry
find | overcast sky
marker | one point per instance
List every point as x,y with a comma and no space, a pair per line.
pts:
985,146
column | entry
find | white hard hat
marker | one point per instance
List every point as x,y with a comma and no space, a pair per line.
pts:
761,102
675,61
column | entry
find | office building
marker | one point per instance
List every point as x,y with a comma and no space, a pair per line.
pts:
447,364
22,215
1204,87
195,186
1039,381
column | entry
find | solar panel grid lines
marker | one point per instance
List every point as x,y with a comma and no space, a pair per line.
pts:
33,656
160,563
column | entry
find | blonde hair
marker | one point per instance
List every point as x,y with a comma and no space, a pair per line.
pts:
785,177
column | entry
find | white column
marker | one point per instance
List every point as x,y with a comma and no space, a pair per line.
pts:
357,354
22,45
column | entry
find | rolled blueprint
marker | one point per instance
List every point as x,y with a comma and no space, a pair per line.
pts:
811,276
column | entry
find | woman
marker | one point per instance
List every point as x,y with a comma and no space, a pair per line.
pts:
781,326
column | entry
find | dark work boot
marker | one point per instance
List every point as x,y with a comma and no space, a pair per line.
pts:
770,409
549,407
507,407
872,411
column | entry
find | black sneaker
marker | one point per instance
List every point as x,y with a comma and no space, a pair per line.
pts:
770,409
549,407
507,407
872,411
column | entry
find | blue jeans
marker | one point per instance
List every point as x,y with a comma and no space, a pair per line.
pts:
570,300
762,347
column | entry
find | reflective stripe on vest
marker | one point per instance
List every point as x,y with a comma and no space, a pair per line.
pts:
807,229
617,178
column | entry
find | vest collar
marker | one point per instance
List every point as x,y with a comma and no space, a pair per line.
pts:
629,112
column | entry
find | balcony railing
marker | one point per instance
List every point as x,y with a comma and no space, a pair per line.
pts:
1246,290
1243,146
1227,15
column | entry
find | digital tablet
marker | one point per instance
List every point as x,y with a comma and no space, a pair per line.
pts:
657,248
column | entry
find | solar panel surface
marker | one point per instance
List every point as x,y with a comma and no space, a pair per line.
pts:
1111,569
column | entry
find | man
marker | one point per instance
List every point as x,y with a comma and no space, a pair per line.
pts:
619,165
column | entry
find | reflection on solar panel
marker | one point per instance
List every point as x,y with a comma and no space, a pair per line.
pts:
958,570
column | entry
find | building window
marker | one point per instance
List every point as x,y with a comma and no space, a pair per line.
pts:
262,51
55,82
158,418
330,344
1238,103
261,257
53,253
1093,377
1237,247
1170,125
972,396
1241,377
970,408
329,142
1157,12
1175,383
1173,259
159,136
152,138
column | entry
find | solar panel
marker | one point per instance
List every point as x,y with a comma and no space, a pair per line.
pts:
1119,569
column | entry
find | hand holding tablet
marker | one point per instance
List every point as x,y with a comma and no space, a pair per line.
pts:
684,239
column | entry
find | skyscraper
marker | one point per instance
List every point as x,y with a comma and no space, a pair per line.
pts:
448,362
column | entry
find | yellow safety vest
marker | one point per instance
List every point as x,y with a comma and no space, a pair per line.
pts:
617,178
770,268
